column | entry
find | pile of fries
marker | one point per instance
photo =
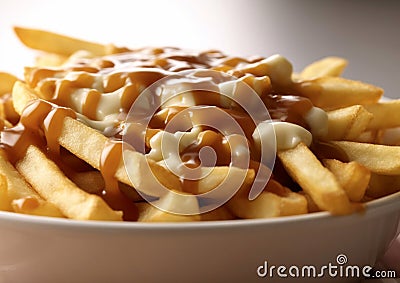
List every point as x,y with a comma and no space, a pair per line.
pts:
63,152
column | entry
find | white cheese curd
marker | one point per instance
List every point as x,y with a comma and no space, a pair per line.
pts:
317,119
287,135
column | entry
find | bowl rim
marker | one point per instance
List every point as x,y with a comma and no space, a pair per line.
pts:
386,204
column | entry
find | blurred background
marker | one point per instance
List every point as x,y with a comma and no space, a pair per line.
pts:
364,32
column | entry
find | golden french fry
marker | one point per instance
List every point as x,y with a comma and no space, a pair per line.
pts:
347,123
264,206
6,82
7,112
220,213
5,204
385,115
50,182
268,204
91,144
217,175
334,92
315,179
368,137
22,95
150,213
93,183
381,159
90,149
50,60
275,200
328,66
35,206
210,182
293,203
382,185
3,117
311,206
296,77
32,205
59,44
18,188
352,176
146,175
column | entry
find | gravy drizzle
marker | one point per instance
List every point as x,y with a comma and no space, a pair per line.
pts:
81,86
111,158
39,125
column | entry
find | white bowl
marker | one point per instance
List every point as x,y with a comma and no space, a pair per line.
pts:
42,249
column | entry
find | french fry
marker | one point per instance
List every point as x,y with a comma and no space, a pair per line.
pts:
328,66
276,200
7,112
352,176
381,111
59,44
381,159
145,175
292,203
90,149
87,144
265,205
315,179
311,206
347,123
34,206
22,95
215,177
6,82
220,213
5,203
150,213
220,174
19,189
50,60
3,117
334,92
93,183
268,204
368,137
50,182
